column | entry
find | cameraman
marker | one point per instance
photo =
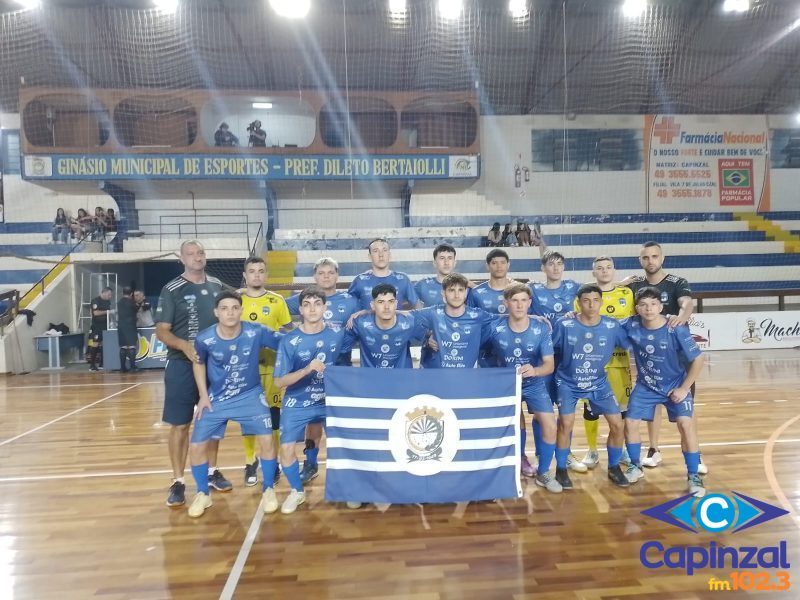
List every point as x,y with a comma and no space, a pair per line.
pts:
144,315
224,137
258,137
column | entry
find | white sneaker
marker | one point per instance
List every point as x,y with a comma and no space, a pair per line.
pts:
548,482
293,500
696,487
269,502
651,461
633,474
573,464
199,505
354,505
626,458
591,459
702,469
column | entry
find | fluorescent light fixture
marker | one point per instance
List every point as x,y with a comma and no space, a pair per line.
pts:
797,118
29,4
736,5
397,8
262,104
450,9
166,6
633,9
518,9
291,9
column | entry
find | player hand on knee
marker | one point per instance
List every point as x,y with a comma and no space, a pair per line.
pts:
203,404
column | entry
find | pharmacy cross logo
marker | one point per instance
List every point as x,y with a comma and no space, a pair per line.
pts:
666,130
715,513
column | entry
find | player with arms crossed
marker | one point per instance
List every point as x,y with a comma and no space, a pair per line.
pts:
662,353
303,355
583,346
259,305
228,378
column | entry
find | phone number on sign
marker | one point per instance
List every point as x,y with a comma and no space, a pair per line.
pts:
684,193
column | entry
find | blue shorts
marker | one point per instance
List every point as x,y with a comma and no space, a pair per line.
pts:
180,392
601,401
551,387
643,402
294,421
252,414
537,399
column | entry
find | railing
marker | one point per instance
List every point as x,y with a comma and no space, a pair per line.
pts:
780,294
10,302
259,242
195,225
38,288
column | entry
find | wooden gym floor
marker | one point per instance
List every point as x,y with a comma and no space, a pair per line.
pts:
84,475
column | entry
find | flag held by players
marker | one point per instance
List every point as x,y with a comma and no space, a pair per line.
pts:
422,435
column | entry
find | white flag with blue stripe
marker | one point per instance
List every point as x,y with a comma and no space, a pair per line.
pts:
422,435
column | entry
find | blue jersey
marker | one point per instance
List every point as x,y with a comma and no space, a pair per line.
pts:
553,303
583,351
384,348
486,298
361,288
338,308
232,365
524,348
296,351
661,354
429,291
459,338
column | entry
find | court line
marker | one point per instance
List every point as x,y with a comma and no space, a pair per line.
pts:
241,558
69,414
769,468
66,385
35,478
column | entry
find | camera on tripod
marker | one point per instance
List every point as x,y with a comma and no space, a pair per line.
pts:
252,127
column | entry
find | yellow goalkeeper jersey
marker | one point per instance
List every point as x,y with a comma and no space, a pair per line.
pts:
270,310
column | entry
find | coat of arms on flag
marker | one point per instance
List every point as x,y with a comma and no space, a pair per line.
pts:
422,435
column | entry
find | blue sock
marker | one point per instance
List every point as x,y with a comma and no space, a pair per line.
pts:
692,460
200,474
537,437
312,455
614,455
268,470
635,453
561,457
292,473
523,439
546,457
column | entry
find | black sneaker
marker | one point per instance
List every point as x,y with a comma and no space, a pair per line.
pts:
251,474
562,477
217,481
616,475
177,494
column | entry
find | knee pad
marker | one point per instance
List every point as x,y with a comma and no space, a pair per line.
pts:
588,415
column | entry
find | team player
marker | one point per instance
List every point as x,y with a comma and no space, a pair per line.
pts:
489,294
527,344
429,289
458,331
380,255
259,305
186,307
676,297
618,304
552,300
583,346
229,379
339,307
303,355
662,353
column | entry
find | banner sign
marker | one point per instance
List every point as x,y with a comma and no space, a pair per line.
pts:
701,162
243,166
421,435
746,330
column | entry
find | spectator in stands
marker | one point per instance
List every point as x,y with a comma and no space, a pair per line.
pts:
111,220
523,233
507,237
61,227
257,136
81,225
144,314
494,237
127,312
99,224
223,136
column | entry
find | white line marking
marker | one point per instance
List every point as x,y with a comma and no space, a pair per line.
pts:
699,403
69,414
726,402
241,559
780,400
753,402
80,385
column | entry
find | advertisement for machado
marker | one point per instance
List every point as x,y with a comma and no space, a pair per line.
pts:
746,330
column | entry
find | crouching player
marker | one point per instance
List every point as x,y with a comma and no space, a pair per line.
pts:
230,389
662,355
